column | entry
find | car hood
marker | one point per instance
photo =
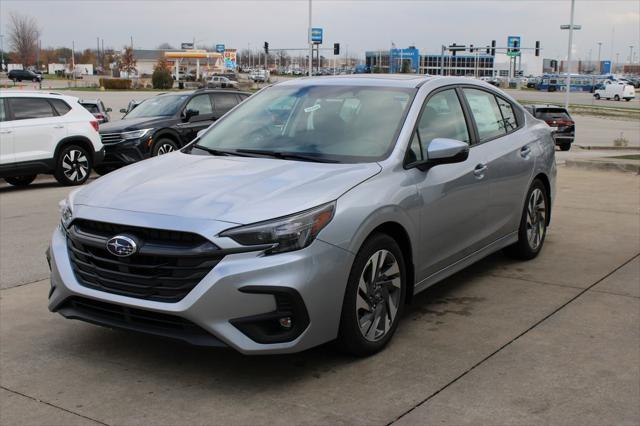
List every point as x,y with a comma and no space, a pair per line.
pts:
238,190
129,124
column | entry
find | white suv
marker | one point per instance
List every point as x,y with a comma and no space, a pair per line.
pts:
46,133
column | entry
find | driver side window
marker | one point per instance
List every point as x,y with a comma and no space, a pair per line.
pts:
442,117
201,104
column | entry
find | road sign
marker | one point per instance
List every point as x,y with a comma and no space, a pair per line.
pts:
566,27
220,48
316,35
186,46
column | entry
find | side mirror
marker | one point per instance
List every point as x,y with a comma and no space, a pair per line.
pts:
443,151
123,110
189,114
109,110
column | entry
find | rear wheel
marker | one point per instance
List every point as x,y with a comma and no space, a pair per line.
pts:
20,180
533,224
374,297
616,98
73,166
164,146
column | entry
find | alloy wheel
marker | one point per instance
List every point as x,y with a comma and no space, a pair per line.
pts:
75,165
536,218
378,297
165,148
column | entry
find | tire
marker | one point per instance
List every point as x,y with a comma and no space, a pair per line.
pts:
164,146
597,96
365,306
528,245
73,166
565,146
616,98
20,180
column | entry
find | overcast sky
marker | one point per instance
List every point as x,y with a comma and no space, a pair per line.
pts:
357,25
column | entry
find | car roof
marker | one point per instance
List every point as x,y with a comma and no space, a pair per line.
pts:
35,94
89,101
381,80
547,106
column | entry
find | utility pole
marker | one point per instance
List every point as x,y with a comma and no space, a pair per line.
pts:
599,63
1,52
310,43
568,81
631,54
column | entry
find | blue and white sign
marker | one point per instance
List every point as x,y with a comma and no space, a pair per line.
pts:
511,43
220,48
606,67
316,35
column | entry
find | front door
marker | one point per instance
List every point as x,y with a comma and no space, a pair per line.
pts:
199,111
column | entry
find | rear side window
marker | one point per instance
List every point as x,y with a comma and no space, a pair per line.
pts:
92,108
61,106
26,108
508,116
224,101
486,113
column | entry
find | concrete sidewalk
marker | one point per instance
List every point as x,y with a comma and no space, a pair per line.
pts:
554,340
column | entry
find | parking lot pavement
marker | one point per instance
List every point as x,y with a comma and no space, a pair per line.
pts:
553,340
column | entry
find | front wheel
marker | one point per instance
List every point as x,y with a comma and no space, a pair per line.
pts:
597,96
164,146
616,98
73,166
533,224
20,180
374,298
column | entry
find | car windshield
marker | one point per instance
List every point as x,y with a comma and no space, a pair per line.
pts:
158,106
337,123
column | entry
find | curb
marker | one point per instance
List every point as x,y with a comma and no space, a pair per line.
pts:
609,166
621,148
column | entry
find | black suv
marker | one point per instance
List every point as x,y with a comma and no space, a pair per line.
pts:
162,124
559,119
26,75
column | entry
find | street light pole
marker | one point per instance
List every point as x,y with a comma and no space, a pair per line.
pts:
568,81
631,55
599,63
310,42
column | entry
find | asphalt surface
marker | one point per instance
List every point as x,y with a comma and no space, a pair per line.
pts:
550,341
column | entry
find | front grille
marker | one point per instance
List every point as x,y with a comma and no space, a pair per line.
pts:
108,138
118,316
165,268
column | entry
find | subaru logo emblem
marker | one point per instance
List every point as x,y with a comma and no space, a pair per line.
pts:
121,246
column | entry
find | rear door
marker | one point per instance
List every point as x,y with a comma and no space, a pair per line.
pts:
510,157
223,102
37,129
6,136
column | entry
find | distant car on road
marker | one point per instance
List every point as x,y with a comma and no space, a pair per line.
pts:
46,133
24,75
221,82
559,119
162,124
97,108
616,90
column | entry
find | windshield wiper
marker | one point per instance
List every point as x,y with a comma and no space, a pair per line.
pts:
287,155
217,151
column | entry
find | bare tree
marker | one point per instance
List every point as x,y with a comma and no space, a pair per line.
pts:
23,37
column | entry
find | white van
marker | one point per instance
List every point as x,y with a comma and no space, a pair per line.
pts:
615,90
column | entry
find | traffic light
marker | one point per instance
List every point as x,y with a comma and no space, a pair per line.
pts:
488,50
516,46
493,48
266,48
471,48
537,48
336,48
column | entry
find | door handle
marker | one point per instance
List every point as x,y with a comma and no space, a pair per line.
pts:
479,170
525,151
58,126
4,132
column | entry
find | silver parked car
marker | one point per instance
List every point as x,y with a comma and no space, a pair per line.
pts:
313,211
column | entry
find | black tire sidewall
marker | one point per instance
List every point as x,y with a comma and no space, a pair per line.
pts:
524,250
160,142
349,336
59,171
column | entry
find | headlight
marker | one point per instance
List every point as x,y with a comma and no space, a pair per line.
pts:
289,233
136,134
66,213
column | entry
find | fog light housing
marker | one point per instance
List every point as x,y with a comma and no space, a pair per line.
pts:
285,324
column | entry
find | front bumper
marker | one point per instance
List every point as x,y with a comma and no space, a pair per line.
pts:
242,286
126,152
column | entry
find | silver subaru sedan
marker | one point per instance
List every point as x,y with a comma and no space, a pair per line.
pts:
311,212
